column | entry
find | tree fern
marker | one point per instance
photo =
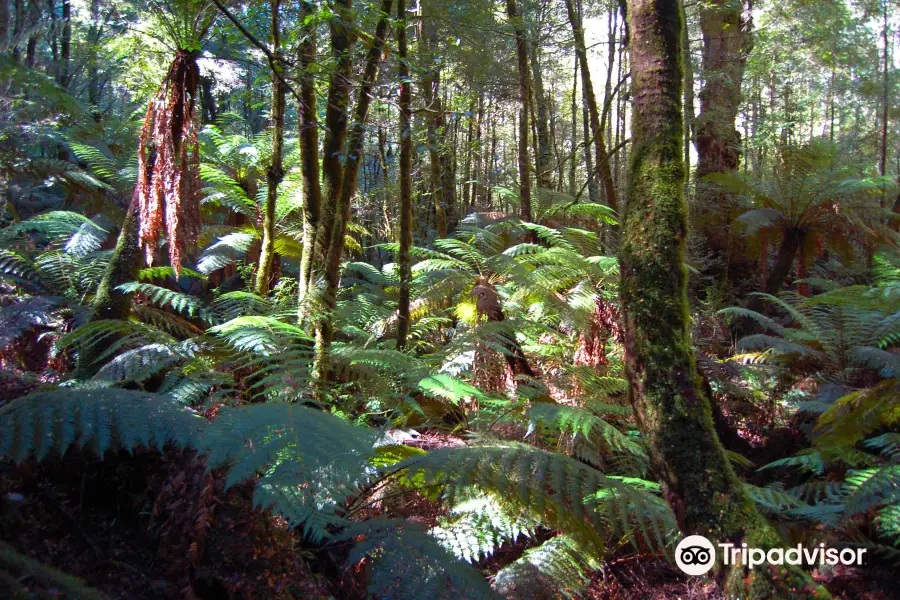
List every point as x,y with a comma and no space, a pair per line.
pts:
551,487
405,562
559,567
52,422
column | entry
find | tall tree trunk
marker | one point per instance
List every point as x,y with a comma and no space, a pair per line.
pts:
524,100
34,17
275,171
544,155
593,188
4,23
587,90
308,127
66,44
468,151
18,28
672,409
885,104
688,98
93,67
406,214
342,40
726,42
352,163
442,186
573,185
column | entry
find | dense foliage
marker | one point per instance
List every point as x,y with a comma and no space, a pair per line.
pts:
423,302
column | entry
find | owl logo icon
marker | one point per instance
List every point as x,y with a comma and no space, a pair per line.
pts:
695,555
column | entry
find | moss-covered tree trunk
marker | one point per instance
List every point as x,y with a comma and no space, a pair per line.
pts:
325,329
275,171
406,212
110,302
307,123
665,389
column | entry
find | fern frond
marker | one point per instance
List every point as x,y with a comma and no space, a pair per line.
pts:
559,567
46,422
406,563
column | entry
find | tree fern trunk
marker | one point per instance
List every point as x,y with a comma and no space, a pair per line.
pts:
672,409
109,302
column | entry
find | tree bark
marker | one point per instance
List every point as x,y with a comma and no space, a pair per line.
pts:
18,28
352,163
308,127
524,102
790,244
406,213
726,42
587,90
66,44
442,185
672,409
544,157
275,170
342,39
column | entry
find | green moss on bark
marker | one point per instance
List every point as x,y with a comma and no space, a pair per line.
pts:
109,302
664,386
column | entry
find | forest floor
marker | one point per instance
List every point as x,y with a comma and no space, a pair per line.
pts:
153,526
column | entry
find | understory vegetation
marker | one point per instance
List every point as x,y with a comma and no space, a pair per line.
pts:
335,299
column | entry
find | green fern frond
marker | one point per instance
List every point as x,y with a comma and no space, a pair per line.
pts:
406,563
163,297
559,489
559,567
309,460
46,422
574,420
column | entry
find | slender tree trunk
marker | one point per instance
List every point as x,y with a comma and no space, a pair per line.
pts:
275,171
688,98
544,155
66,45
671,406
524,100
587,90
325,332
308,126
478,152
573,185
885,103
18,28
34,17
468,154
342,39
4,23
442,186
593,188
406,212
93,60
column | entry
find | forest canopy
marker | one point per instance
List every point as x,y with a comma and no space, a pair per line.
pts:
449,299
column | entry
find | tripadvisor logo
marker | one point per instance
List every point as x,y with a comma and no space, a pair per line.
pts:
696,555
